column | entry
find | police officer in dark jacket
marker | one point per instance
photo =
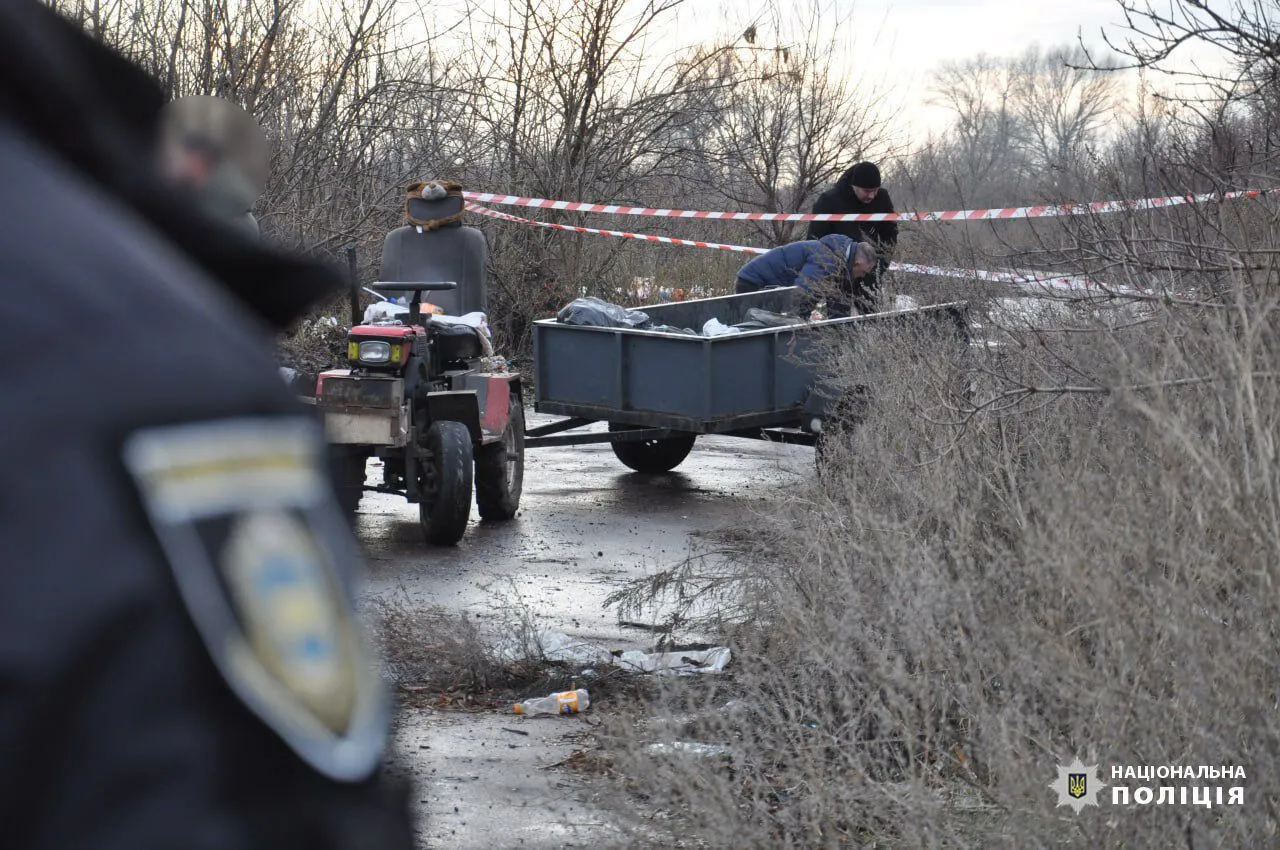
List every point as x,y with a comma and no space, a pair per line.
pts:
859,191
179,665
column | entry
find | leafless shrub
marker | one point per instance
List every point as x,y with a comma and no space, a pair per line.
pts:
1065,546
433,648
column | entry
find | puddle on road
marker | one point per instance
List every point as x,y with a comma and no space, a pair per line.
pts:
586,526
479,785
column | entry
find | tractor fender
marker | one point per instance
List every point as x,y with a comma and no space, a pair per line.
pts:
493,396
456,406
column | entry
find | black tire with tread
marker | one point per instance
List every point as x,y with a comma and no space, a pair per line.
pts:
652,456
445,508
498,483
349,470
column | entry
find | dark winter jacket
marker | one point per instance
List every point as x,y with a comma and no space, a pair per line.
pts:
119,723
802,264
841,199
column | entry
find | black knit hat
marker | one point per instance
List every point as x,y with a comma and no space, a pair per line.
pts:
865,175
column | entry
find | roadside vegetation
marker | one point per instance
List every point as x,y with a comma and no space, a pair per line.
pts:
1061,543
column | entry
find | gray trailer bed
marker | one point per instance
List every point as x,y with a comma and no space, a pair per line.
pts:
732,384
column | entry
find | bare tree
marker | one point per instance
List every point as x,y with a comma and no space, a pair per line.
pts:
353,110
573,105
981,93
790,121
1022,125
1062,107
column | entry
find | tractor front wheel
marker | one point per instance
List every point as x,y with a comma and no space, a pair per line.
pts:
445,483
500,469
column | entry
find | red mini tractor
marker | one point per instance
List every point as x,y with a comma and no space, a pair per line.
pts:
419,395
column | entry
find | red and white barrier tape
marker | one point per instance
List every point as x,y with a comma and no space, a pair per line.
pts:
1025,278
666,240
1042,211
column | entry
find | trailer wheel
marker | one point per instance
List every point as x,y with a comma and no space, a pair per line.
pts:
348,477
446,483
500,469
652,456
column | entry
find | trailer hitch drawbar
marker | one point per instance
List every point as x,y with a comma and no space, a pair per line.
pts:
544,435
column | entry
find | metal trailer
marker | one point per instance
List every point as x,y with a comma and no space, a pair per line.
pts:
658,391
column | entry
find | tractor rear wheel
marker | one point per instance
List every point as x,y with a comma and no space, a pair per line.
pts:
652,456
500,469
445,483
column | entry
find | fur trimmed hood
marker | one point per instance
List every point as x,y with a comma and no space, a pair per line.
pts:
433,204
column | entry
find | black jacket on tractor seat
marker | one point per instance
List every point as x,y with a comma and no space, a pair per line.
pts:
162,498
882,234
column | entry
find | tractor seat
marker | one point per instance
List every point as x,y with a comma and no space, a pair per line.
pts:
456,342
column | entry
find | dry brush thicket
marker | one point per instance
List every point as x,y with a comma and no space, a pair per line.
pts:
1066,544
1061,543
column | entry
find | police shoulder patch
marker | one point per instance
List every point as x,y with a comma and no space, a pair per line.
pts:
250,527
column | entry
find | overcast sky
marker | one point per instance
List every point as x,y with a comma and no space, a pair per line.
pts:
898,42
914,36
893,44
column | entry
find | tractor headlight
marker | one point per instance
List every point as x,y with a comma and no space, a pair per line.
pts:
374,352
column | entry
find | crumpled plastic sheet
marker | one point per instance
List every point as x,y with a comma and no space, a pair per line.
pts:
597,313
679,663
558,646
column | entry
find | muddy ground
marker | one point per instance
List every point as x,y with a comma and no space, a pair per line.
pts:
586,525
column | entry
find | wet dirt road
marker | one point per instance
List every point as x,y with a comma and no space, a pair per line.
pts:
586,525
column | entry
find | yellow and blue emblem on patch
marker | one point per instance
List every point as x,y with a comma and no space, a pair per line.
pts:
259,548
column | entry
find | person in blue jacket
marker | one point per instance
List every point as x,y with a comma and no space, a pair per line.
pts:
833,259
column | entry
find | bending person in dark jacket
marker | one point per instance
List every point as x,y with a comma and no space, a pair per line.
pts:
834,259
859,191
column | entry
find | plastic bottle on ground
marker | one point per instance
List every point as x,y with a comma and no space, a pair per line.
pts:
568,702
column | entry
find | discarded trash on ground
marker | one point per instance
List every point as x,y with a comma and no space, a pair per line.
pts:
690,748
557,646
712,660
566,702
554,646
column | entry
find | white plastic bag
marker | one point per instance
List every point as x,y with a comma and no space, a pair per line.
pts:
714,327
382,311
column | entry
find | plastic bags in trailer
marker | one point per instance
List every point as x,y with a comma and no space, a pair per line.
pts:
597,313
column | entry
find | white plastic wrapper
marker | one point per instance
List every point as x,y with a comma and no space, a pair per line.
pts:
714,327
